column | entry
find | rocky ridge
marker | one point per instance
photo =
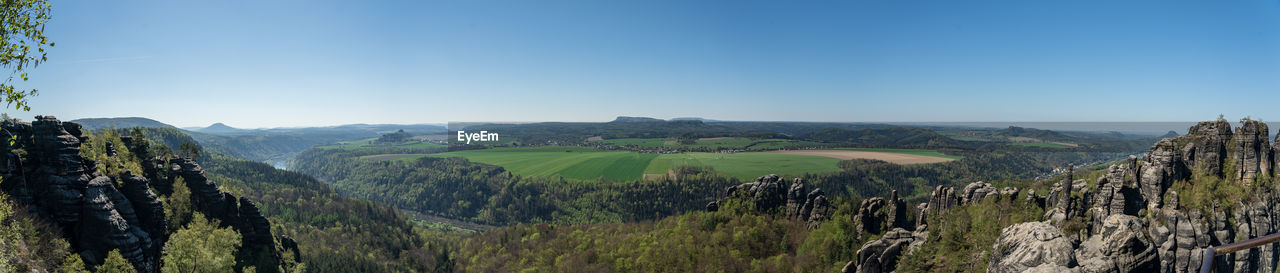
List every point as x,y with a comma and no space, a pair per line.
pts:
1133,218
1136,222
43,169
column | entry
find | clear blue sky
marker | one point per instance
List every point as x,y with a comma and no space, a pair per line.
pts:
304,63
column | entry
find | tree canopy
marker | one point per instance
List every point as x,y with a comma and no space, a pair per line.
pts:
22,45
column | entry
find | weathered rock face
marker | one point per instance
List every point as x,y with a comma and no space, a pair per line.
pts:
58,174
1115,195
57,183
882,255
922,216
975,192
771,191
1137,223
767,192
816,208
1122,246
898,212
796,197
98,213
149,210
1182,238
1028,245
109,223
1250,151
1163,165
870,215
1207,146
1254,220
942,198
1275,155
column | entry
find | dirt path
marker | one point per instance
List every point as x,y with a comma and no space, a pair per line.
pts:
889,157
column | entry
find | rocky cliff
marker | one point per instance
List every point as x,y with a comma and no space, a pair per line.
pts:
1139,222
43,168
1132,218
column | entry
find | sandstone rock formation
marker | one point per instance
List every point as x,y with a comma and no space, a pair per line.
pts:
882,255
1122,245
1207,145
1251,151
975,192
772,192
945,198
1138,225
942,198
897,212
870,215
1028,245
100,213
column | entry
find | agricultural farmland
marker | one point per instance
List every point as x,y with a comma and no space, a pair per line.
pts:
899,156
709,144
591,164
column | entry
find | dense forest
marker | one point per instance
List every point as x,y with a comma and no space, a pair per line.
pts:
334,233
459,189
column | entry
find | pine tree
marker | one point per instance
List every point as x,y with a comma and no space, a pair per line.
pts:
177,207
116,264
72,263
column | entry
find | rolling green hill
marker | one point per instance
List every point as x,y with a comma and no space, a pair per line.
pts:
120,123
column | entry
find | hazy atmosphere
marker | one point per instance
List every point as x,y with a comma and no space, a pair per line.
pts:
256,64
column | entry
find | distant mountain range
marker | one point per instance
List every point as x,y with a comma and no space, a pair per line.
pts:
272,145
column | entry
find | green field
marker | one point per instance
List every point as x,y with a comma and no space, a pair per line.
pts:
746,165
640,142
904,151
730,143
591,164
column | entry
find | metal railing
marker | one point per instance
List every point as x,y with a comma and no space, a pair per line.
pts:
1212,252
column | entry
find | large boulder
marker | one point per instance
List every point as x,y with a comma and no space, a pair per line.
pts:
1122,246
1029,245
